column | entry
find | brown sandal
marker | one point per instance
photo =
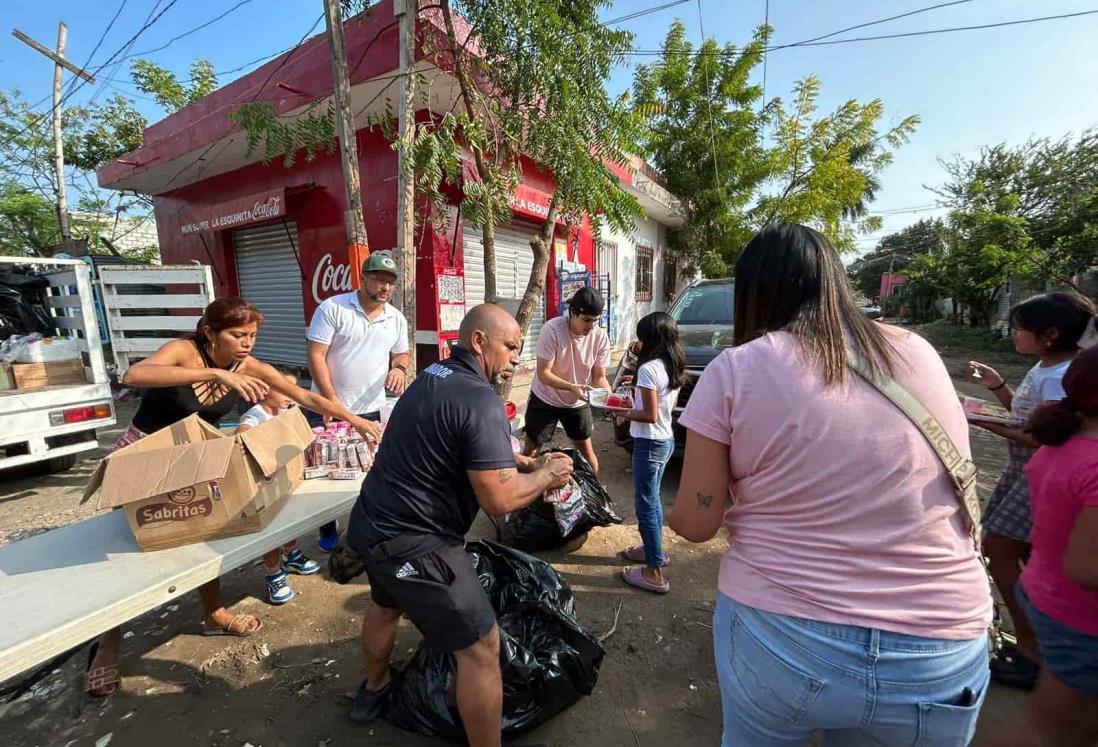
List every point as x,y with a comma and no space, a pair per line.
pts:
100,682
238,627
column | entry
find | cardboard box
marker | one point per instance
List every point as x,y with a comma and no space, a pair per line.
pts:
6,379
189,482
55,373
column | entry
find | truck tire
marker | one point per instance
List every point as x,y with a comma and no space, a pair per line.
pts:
57,464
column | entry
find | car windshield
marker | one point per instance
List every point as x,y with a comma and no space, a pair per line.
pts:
705,304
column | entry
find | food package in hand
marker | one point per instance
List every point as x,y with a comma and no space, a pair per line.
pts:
620,401
568,507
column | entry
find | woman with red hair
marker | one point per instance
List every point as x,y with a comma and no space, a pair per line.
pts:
207,373
1058,590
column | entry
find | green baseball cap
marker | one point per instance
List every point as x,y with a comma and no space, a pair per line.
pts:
379,262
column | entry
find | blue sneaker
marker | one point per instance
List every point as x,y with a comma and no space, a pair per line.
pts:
278,588
296,562
329,536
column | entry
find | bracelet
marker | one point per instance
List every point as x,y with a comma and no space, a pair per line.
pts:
997,388
402,369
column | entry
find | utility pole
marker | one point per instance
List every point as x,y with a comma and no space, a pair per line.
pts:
59,63
358,246
406,11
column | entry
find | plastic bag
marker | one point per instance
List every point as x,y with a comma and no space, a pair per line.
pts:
567,503
34,348
535,527
549,661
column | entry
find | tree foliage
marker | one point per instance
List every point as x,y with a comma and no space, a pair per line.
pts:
531,81
896,251
1026,211
739,162
165,86
93,134
704,118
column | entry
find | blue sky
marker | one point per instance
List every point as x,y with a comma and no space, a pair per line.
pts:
971,88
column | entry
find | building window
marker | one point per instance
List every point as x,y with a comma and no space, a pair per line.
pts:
644,273
670,277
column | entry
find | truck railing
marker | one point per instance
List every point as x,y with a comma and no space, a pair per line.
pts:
141,319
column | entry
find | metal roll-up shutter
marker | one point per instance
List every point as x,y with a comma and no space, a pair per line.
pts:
514,260
270,278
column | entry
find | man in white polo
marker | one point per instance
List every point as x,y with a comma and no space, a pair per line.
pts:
358,348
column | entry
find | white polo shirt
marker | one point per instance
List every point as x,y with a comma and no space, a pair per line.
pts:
359,349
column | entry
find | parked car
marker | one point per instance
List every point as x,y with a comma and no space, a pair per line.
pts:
704,314
872,312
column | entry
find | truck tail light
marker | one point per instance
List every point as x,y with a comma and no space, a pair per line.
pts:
80,414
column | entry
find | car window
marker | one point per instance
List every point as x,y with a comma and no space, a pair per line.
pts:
704,304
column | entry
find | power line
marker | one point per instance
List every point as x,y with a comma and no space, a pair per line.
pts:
927,32
645,12
185,34
103,36
884,20
709,100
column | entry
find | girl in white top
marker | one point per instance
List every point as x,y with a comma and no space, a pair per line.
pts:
661,373
290,559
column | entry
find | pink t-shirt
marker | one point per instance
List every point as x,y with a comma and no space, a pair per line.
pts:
841,510
573,359
1063,480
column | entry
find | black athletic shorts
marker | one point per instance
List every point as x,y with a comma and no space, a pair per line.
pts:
434,584
542,419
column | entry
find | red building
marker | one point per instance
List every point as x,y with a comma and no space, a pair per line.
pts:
275,235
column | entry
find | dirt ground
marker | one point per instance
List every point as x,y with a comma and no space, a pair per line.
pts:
289,684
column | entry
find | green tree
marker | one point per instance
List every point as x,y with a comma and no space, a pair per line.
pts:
533,88
703,125
166,87
820,167
896,250
737,162
28,222
1051,184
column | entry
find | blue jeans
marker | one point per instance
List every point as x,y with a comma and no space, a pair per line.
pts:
650,459
784,678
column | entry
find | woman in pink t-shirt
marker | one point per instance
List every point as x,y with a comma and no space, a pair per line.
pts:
851,600
1059,586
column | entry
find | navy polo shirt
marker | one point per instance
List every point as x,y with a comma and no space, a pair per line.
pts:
448,421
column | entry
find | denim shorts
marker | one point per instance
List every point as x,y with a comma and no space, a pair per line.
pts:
783,679
1067,654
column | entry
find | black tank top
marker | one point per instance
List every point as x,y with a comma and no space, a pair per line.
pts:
164,406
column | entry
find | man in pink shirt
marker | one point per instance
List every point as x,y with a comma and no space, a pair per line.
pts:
573,354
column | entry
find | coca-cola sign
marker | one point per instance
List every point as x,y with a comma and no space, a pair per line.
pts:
330,278
235,213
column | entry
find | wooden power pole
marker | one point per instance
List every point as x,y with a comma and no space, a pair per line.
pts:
406,11
358,246
59,63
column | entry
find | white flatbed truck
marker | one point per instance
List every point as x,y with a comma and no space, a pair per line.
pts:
53,424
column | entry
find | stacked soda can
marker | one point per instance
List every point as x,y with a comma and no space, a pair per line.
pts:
338,453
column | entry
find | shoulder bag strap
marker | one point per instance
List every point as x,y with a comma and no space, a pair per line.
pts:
961,469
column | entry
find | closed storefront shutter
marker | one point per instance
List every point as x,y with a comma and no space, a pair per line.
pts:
514,260
270,278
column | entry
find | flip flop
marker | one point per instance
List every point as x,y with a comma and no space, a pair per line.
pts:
635,554
98,680
238,627
634,576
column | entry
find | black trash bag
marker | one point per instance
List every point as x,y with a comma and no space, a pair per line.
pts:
549,661
344,564
535,528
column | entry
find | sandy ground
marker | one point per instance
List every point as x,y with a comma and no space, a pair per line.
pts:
289,684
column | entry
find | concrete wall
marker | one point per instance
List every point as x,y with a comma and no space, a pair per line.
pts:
627,309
